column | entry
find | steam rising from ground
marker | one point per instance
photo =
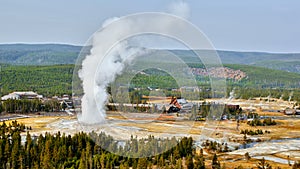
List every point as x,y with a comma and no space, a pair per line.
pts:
96,78
93,111
290,96
231,95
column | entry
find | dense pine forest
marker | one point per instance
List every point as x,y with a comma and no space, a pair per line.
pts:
57,80
46,80
86,151
30,106
81,151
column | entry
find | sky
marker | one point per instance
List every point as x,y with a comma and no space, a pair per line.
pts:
248,25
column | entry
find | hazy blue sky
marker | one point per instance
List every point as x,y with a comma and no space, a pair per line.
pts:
248,25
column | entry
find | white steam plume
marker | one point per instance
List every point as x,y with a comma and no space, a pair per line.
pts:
231,95
290,96
96,78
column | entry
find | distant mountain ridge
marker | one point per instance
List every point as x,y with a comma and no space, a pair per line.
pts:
54,54
38,54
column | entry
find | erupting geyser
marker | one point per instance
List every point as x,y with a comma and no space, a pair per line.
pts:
107,60
96,78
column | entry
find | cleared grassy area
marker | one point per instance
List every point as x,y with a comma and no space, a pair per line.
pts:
39,123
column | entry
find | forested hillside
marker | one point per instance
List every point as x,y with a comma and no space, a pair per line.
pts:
264,77
46,80
43,54
52,54
279,61
57,80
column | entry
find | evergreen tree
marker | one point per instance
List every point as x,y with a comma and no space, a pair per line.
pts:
142,163
215,162
28,148
16,143
199,162
102,160
82,163
189,162
89,161
262,164
46,155
178,164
